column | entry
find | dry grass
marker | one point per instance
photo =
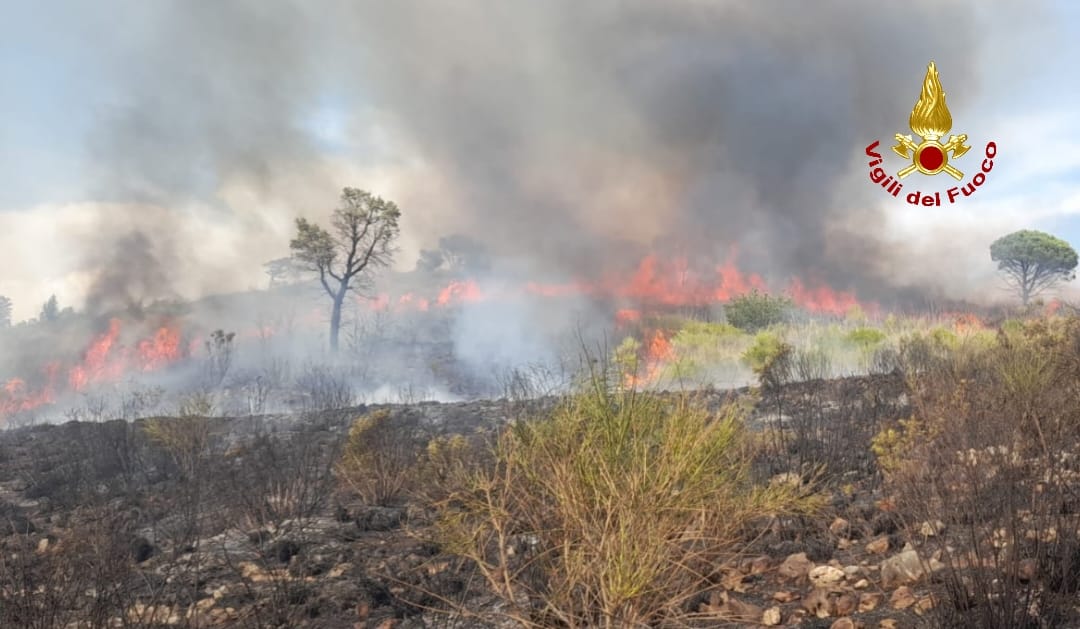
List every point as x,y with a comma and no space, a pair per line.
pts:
614,511
379,456
990,453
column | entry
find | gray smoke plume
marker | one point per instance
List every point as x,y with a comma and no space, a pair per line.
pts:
131,271
573,135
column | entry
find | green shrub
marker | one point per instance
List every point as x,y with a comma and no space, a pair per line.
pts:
855,314
770,358
944,338
625,358
865,337
701,346
613,510
756,310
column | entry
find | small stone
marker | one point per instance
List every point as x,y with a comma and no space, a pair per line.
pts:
839,525
845,604
43,545
861,584
783,596
732,608
878,546
771,617
844,543
825,576
845,623
851,571
868,601
902,598
930,529
818,603
757,565
888,623
795,566
905,567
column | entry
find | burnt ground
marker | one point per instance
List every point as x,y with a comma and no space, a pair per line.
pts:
261,534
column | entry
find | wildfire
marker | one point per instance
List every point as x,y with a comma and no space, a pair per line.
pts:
822,298
459,292
658,353
105,359
627,316
655,282
968,322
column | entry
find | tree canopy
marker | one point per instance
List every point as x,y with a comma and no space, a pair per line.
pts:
1033,261
50,310
360,239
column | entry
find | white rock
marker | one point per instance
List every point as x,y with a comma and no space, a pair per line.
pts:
823,576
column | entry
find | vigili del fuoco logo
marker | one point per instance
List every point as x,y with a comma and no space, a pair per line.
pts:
930,121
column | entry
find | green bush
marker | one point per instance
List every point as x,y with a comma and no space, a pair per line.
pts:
756,310
865,337
770,358
702,346
625,359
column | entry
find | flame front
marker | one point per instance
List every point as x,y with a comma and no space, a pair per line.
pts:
931,118
658,353
654,283
104,360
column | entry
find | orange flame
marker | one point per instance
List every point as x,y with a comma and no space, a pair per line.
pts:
968,322
627,316
821,298
658,353
104,360
459,292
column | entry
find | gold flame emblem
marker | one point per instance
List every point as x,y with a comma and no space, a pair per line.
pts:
931,120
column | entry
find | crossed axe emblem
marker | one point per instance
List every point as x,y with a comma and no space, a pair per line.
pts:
930,156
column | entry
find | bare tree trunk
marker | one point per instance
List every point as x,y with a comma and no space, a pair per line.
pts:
335,319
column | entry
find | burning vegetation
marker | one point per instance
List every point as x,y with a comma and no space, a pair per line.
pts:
657,363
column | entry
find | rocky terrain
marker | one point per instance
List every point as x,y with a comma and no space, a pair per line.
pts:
247,526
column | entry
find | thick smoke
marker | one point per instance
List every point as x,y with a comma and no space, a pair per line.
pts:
131,271
572,135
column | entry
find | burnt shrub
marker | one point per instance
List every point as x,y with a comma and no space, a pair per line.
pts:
321,388
990,454
380,453
279,476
